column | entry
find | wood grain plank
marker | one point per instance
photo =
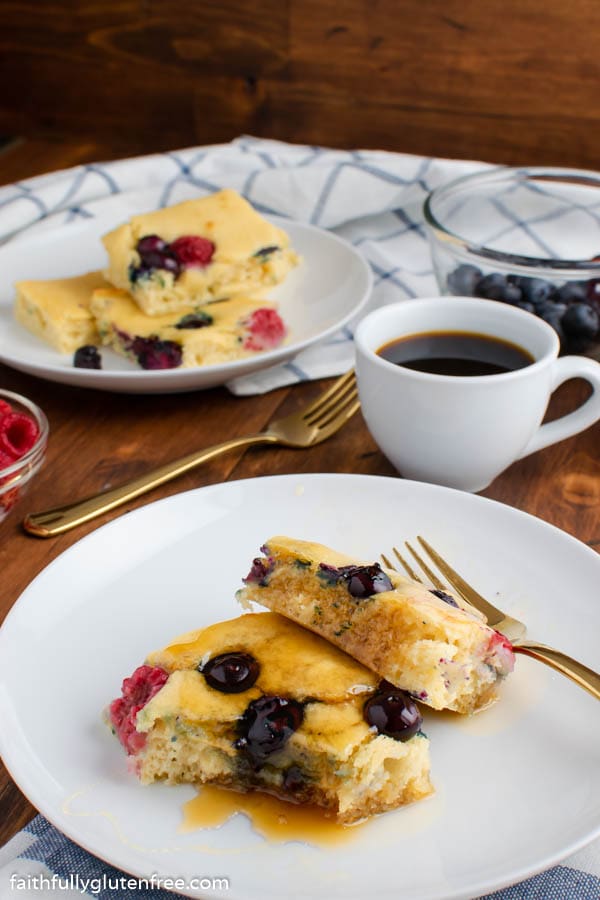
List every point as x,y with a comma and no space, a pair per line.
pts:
446,78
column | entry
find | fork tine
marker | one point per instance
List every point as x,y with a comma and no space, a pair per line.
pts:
386,562
335,421
326,406
334,410
433,578
411,572
406,565
459,584
324,401
496,618
439,585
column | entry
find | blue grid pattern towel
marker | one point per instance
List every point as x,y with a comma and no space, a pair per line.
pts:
374,200
35,855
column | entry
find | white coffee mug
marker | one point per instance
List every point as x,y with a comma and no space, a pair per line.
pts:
463,431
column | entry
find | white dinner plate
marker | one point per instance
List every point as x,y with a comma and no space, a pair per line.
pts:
322,294
517,786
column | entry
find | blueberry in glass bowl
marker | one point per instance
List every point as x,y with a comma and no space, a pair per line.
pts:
529,237
23,442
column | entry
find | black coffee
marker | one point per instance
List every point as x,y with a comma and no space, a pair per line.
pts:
456,353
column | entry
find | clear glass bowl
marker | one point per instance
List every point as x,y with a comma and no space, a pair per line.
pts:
525,236
16,477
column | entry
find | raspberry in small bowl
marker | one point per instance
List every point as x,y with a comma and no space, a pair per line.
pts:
23,441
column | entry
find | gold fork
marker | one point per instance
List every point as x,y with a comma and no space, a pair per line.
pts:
513,629
305,428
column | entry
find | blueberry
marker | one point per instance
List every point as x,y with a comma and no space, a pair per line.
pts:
462,281
442,595
87,357
593,292
231,673
151,243
496,286
572,292
151,264
136,272
169,264
195,320
153,259
536,291
491,286
361,581
526,305
260,571
550,309
164,261
581,320
154,254
393,713
266,726
367,580
552,313
153,353
266,251
514,291
512,294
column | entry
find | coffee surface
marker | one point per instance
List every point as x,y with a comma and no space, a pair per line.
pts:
460,353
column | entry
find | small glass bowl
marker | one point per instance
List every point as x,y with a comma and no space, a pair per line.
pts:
525,236
16,478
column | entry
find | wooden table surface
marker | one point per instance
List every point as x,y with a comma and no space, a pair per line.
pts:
98,440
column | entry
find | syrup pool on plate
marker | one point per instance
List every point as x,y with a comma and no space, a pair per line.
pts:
274,819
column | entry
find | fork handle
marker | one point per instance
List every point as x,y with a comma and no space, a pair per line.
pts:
63,518
584,677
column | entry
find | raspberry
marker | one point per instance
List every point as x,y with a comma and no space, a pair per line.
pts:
18,434
5,460
4,408
266,329
192,251
500,640
137,690
501,651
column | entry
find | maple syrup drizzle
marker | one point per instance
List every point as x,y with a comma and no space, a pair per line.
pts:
270,817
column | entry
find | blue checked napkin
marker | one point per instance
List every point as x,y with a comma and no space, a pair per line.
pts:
372,199
39,853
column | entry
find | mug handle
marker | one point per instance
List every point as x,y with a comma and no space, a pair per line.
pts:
581,418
